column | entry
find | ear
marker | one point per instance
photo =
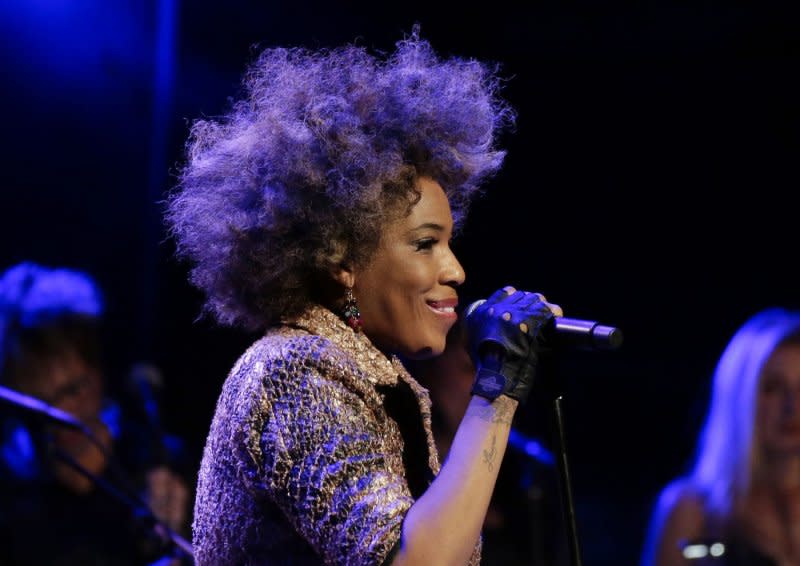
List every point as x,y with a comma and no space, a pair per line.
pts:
344,275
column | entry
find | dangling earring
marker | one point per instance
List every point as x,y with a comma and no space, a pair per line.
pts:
350,310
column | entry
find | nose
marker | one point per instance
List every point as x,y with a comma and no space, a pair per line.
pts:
452,273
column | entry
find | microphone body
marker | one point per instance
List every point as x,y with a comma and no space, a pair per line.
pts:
32,407
145,382
574,332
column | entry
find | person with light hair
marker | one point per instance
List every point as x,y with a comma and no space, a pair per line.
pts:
740,502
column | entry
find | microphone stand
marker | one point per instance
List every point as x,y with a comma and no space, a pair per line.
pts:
602,338
567,502
138,507
38,410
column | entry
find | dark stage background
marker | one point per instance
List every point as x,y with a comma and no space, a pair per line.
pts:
649,185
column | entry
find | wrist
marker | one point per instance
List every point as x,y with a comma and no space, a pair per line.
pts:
507,402
499,411
489,383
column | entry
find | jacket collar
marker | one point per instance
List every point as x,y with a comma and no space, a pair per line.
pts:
379,369
382,370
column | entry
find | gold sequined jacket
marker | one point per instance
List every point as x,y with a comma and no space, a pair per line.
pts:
318,447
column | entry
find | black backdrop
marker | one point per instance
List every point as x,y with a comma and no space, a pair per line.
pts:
649,185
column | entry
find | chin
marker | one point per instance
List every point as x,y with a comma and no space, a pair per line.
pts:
421,346
425,352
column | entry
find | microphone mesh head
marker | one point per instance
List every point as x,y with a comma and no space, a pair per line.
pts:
144,373
474,305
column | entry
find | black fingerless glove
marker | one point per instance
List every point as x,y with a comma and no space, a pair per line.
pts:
505,337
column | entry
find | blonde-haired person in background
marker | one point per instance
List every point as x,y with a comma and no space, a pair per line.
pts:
740,503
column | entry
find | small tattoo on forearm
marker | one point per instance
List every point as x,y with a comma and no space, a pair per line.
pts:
490,454
501,411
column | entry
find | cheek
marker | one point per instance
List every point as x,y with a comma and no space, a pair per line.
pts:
86,404
409,295
418,274
768,413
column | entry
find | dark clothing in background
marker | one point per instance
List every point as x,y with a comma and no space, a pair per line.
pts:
43,523
532,528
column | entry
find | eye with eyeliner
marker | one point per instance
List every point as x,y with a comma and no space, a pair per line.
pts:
424,244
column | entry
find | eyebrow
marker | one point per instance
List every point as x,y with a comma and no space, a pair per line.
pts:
427,226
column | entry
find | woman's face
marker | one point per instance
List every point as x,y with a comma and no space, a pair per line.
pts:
779,401
407,293
70,384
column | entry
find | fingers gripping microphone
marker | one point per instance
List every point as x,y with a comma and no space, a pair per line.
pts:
576,333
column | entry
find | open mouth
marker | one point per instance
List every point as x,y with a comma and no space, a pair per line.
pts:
445,307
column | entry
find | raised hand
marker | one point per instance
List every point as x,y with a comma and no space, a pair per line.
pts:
505,335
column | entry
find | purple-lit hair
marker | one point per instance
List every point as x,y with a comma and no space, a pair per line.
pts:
726,453
46,313
303,173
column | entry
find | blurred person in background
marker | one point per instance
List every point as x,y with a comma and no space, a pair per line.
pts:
54,509
740,502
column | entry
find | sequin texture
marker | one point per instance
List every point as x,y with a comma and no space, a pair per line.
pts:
303,464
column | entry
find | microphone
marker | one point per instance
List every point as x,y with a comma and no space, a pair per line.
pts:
32,407
145,382
575,333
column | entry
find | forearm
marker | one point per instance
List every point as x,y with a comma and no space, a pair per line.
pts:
443,525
